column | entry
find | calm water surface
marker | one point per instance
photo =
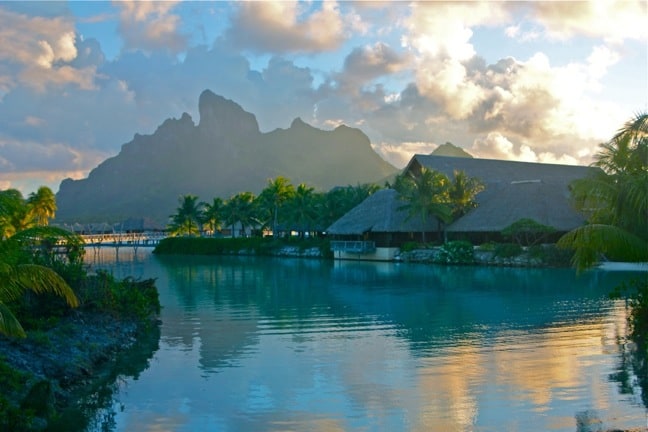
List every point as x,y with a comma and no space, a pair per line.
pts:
261,344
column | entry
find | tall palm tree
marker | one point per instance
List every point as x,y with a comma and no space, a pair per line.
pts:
462,192
42,205
276,193
615,200
302,209
213,214
426,196
242,209
186,220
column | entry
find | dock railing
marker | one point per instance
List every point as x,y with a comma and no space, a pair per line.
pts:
353,246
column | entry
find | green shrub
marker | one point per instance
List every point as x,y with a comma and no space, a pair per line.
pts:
125,298
488,246
410,246
527,232
13,384
507,250
456,252
551,255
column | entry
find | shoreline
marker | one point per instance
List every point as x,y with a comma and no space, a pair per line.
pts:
61,374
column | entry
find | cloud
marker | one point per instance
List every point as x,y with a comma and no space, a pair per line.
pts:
413,79
615,20
400,154
38,51
150,26
289,26
366,63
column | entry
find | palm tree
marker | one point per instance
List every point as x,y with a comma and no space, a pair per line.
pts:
615,200
241,208
339,200
19,274
212,215
425,196
15,215
462,192
302,209
274,196
186,220
42,205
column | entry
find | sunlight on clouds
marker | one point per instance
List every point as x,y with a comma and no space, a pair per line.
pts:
150,25
400,154
563,20
443,28
601,59
36,49
277,26
29,181
447,82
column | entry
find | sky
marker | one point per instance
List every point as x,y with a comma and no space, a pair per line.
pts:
528,81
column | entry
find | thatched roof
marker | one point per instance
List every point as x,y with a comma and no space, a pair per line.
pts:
505,204
513,191
380,212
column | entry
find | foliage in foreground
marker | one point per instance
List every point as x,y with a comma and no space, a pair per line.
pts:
27,400
616,199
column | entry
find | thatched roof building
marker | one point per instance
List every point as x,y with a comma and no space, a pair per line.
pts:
379,213
513,191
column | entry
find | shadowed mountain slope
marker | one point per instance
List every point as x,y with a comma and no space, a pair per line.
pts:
224,154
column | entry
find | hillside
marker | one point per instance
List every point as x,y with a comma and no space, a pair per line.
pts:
222,155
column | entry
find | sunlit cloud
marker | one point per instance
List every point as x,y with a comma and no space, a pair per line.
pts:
150,25
37,52
284,26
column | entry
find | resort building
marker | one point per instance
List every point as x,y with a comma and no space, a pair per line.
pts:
377,227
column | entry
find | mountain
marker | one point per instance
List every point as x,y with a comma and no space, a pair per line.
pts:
449,149
224,154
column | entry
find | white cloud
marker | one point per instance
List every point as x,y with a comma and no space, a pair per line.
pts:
613,20
443,29
400,154
37,51
150,25
289,26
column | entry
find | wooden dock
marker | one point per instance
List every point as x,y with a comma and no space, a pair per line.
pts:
145,239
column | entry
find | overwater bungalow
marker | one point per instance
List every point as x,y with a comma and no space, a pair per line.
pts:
377,227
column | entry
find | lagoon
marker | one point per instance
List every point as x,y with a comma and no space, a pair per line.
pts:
276,344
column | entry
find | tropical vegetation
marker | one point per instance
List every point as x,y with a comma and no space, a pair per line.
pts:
431,194
26,258
42,277
280,209
616,200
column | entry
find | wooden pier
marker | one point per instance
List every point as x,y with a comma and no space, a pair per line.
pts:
145,239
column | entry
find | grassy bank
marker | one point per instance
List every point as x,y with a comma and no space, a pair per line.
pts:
266,246
69,356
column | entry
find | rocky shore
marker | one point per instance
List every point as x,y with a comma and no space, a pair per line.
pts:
57,377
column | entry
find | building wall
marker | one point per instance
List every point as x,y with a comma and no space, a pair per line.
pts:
381,254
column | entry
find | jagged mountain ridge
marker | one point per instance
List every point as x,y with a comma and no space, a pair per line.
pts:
224,154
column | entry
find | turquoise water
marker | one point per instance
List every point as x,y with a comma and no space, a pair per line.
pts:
261,344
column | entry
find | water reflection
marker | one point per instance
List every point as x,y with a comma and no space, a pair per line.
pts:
268,344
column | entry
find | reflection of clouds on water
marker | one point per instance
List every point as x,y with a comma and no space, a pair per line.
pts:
264,344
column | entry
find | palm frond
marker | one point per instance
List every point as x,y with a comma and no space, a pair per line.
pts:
589,242
40,279
9,325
